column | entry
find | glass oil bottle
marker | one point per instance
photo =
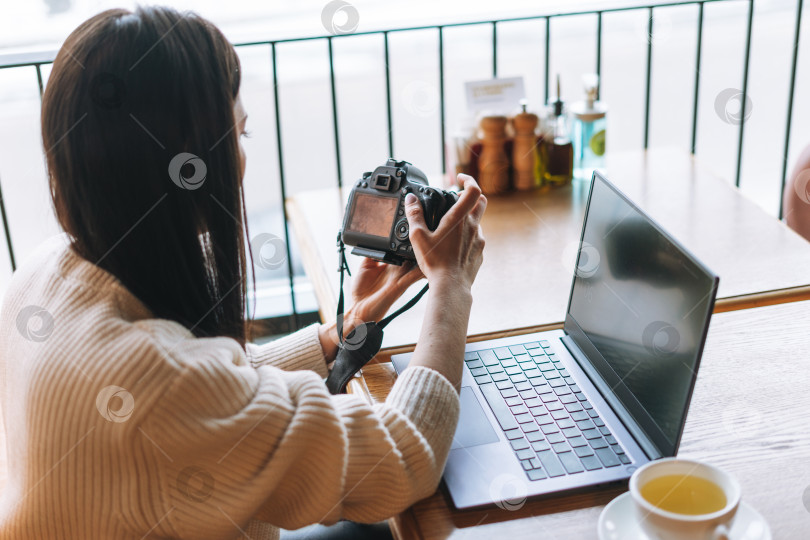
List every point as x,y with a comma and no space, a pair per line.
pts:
557,150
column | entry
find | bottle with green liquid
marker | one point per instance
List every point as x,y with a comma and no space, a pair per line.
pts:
590,123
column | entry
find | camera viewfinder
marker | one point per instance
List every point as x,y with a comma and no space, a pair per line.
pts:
382,181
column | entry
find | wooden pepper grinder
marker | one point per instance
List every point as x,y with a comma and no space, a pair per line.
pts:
523,151
493,164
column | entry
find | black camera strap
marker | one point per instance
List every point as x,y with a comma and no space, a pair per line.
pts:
364,341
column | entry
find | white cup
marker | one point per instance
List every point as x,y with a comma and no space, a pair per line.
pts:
663,525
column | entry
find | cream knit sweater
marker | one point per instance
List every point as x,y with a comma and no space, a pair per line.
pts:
123,426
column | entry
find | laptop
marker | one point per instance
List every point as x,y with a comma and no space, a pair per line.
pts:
567,409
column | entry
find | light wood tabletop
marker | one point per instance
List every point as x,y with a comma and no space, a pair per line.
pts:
747,417
532,241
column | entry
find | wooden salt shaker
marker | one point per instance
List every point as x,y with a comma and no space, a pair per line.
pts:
493,164
523,151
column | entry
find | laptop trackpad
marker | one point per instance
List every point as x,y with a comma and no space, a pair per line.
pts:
473,425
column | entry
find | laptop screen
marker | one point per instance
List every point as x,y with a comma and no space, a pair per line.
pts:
639,309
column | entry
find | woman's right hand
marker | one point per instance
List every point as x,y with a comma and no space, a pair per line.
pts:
454,251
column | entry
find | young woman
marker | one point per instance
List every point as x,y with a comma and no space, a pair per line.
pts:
134,406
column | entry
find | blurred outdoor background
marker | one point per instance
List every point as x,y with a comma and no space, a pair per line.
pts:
305,98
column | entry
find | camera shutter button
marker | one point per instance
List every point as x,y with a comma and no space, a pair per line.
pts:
401,230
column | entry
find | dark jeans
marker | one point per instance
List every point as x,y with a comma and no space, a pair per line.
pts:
345,530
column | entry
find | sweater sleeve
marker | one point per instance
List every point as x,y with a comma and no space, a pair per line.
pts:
300,350
242,442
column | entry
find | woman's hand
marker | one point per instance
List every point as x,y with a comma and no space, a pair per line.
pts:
454,251
376,286
450,257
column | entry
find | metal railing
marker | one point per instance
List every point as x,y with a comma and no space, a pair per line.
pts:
37,60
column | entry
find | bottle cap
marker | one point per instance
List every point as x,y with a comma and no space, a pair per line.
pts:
591,83
582,111
558,103
590,109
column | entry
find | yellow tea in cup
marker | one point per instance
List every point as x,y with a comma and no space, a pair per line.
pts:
684,494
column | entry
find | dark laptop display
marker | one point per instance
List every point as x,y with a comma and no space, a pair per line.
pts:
641,303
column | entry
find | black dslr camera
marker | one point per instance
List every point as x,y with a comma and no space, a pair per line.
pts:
375,222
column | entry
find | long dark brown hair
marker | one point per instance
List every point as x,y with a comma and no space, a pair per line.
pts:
139,105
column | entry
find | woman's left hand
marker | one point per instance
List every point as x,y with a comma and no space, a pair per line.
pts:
376,286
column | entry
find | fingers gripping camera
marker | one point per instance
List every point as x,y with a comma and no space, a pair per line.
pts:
375,222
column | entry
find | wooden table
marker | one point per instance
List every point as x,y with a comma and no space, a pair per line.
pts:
532,239
748,416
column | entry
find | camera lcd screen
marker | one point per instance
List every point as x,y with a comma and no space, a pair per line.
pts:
373,215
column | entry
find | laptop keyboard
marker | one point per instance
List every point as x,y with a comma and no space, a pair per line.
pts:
552,427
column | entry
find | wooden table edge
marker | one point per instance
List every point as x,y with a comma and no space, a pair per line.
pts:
405,521
765,298
314,267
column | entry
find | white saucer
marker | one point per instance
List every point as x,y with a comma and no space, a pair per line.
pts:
618,522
